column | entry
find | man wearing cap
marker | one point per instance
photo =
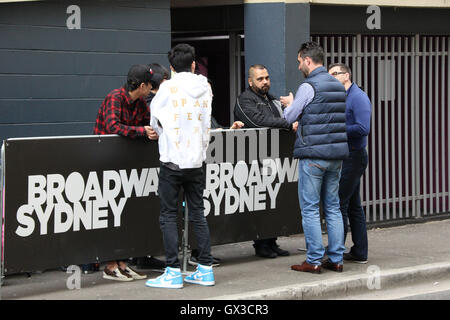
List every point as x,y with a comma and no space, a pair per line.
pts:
125,112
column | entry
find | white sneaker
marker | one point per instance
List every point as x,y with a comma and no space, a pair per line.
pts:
204,276
116,275
135,275
171,279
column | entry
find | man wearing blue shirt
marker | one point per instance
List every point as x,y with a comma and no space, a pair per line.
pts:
358,112
321,145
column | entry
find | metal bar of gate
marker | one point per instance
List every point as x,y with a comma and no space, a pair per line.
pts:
443,131
430,126
378,133
424,125
448,119
408,49
415,133
2,184
436,123
185,241
366,89
399,125
386,128
444,207
372,126
392,133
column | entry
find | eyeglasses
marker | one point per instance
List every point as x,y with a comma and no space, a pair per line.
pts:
334,74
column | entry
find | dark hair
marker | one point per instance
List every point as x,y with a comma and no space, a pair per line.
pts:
255,66
313,50
160,73
181,57
343,67
138,73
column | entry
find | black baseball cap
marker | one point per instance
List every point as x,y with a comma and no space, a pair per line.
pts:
139,73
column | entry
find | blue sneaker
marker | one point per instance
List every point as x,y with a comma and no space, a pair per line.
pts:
171,278
203,276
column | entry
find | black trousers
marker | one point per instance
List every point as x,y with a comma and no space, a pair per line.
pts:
352,211
170,183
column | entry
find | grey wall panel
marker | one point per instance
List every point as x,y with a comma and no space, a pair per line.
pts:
94,14
18,111
43,130
72,63
53,79
63,39
52,87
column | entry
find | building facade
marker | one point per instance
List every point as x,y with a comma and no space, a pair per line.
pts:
59,59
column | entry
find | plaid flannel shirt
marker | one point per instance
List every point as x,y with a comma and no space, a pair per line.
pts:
121,115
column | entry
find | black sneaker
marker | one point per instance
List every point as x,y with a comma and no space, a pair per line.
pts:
193,260
349,257
265,252
150,263
276,248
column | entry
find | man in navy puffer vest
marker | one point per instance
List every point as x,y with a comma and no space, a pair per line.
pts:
321,145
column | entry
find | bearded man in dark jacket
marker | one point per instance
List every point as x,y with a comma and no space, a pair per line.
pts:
256,108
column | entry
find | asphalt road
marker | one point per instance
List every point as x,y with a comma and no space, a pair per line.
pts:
441,295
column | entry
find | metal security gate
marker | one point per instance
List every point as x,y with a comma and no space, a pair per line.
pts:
407,81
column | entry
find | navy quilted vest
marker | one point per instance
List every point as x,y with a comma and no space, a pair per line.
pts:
321,132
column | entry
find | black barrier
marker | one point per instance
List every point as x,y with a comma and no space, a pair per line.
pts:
76,200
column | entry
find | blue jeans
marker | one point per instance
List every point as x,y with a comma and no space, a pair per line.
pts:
319,181
352,211
170,183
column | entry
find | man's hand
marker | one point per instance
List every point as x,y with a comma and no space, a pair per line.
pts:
237,125
287,100
151,134
295,126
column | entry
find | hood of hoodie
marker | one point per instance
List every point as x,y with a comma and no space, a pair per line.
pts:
194,85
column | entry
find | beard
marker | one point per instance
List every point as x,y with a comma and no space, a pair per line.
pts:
305,72
262,91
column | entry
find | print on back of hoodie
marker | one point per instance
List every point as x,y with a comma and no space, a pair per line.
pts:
181,115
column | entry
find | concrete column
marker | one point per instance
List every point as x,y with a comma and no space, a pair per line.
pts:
274,31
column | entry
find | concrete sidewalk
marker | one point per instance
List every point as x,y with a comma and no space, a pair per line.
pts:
398,256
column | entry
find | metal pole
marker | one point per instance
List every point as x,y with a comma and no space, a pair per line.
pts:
185,242
2,165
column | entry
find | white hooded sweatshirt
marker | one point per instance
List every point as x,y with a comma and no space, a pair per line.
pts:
181,115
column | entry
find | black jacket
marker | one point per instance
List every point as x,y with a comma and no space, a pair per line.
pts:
256,111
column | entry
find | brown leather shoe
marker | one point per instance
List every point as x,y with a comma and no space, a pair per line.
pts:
306,267
332,266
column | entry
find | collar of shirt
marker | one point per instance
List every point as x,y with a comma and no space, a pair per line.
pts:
349,88
125,94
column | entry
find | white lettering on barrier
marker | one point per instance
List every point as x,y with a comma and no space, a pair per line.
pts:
240,187
74,203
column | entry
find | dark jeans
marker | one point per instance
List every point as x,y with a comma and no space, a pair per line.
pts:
170,183
350,201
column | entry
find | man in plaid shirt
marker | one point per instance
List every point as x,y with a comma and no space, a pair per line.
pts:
124,110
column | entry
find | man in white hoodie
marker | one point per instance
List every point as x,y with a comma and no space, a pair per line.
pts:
181,115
